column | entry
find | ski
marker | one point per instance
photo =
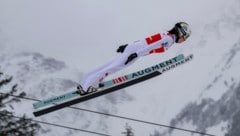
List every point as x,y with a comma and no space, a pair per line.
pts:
106,84
119,83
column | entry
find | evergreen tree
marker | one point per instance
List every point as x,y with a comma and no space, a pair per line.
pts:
11,125
234,125
129,131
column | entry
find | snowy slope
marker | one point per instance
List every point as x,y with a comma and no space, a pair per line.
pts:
42,77
204,89
216,111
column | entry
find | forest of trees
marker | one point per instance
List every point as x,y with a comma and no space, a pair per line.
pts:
14,125
11,124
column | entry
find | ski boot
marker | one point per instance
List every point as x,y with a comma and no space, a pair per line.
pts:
81,91
90,90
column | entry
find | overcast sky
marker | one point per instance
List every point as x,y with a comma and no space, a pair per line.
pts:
73,30
86,33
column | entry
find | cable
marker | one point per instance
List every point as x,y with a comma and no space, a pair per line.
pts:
56,125
126,118
141,121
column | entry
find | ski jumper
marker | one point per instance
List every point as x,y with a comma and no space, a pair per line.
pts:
157,43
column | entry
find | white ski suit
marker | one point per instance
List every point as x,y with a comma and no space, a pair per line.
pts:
157,43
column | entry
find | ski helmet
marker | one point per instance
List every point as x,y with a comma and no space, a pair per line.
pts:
183,30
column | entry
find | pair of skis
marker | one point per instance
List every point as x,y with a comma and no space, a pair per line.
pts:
71,98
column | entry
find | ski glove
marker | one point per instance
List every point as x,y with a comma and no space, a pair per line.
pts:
121,48
131,57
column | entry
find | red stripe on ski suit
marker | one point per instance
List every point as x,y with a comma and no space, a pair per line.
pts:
152,39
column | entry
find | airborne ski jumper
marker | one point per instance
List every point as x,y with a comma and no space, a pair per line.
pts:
93,85
158,43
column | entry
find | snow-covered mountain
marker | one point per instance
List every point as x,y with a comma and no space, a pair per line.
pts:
216,111
202,95
41,78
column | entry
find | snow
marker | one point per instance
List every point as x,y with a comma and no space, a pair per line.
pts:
84,34
220,129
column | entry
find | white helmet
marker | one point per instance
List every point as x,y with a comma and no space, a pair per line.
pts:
183,30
